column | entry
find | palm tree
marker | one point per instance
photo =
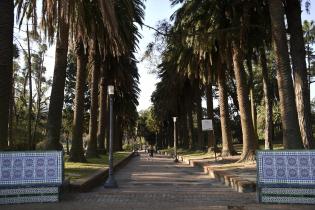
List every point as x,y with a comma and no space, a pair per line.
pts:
249,146
209,97
6,66
267,100
102,110
290,125
95,70
57,91
227,147
76,152
70,12
300,71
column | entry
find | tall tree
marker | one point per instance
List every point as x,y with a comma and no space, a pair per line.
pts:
267,100
297,49
209,97
290,125
76,152
227,147
238,50
95,70
6,66
57,91
30,97
102,111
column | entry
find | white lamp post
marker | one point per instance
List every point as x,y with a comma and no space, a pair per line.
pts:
110,182
175,142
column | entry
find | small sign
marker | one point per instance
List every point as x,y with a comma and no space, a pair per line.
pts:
207,125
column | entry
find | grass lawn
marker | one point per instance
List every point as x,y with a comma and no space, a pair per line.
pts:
75,171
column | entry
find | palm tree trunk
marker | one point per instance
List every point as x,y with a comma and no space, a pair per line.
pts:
59,79
300,72
190,129
77,152
102,114
6,66
185,139
199,119
30,99
39,99
117,133
211,139
227,146
290,125
268,101
251,95
92,144
11,115
249,145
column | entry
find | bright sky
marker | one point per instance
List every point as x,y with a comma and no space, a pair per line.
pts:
155,11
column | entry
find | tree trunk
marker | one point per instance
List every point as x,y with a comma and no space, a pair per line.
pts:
184,131
39,98
268,101
227,146
77,152
11,115
199,118
59,79
6,66
190,126
211,138
290,125
300,72
102,114
92,144
249,145
117,133
251,94
30,99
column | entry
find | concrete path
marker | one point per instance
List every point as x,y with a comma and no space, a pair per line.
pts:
159,184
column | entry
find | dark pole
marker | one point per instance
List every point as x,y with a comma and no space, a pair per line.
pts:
111,182
175,142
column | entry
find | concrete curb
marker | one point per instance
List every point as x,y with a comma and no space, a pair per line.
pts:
234,181
86,184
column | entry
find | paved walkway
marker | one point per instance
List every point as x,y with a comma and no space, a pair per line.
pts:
158,183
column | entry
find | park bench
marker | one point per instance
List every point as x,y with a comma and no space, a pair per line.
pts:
27,177
286,176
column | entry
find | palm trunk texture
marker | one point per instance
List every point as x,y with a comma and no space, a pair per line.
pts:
92,144
227,147
211,138
6,66
268,101
249,144
290,125
77,152
58,85
102,114
300,72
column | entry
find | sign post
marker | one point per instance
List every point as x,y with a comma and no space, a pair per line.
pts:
207,125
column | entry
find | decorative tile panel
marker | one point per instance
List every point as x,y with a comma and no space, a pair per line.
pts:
286,167
30,168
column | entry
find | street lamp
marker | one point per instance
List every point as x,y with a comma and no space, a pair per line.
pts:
175,142
110,182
